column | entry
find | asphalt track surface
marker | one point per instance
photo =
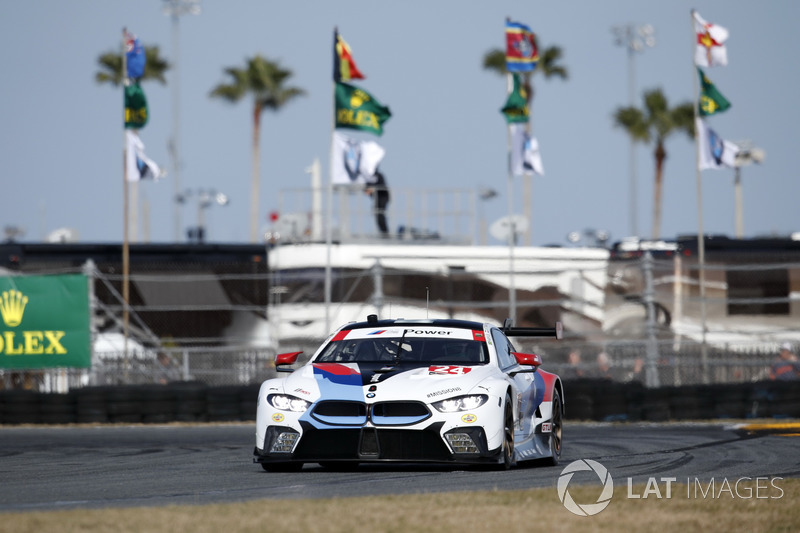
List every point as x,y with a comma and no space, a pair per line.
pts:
44,468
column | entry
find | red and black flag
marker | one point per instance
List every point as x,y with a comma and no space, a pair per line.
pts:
344,68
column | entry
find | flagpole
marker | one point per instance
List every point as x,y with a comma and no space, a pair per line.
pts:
125,214
512,293
701,245
527,179
329,206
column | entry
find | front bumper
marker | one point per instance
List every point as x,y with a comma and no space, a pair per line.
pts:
371,444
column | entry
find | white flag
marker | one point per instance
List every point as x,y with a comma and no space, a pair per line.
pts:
715,152
525,156
354,162
139,165
710,48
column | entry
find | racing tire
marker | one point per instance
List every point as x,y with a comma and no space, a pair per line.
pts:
282,467
507,450
556,427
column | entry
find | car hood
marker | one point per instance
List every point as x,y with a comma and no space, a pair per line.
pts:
372,381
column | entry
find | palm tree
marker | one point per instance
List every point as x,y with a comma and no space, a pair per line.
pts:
264,80
495,61
111,67
656,122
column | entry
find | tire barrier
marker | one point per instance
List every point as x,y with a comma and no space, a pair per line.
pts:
183,401
608,401
586,399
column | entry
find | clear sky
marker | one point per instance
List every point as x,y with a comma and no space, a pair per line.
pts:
61,140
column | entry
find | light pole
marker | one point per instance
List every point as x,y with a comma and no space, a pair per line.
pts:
176,8
747,154
634,39
205,199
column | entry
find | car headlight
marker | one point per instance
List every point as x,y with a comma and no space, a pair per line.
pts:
287,403
461,403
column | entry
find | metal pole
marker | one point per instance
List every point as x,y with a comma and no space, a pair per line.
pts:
651,368
701,245
634,216
377,281
634,39
176,8
512,293
175,143
737,190
125,245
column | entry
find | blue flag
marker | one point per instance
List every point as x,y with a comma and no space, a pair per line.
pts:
135,58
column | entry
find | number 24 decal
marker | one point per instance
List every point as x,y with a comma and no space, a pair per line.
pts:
448,369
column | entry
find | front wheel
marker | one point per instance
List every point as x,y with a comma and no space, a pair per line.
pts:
508,436
556,427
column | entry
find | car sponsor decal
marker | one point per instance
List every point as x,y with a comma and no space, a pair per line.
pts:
410,332
449,369
539,383
469,418
547,427
444,391
549,382
340,336
341,381
336,369
478,335
277,417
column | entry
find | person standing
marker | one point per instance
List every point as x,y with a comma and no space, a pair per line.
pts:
786,367
379,192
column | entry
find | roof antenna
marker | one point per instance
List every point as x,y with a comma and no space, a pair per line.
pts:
427,300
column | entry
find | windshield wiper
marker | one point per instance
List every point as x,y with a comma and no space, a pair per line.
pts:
397,356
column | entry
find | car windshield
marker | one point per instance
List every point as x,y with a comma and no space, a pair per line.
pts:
399,349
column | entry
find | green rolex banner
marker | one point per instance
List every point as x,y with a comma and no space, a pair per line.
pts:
516,108
357,109
711,100
135,106
44,322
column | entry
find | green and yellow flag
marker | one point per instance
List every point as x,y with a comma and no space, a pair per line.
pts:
516,108
711,100
135,106
358,110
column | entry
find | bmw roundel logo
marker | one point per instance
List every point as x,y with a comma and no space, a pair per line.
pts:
370,395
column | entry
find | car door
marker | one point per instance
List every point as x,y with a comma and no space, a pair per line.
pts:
525,383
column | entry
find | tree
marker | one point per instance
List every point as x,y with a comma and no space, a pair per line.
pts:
495,60
111,67
264,80
656,122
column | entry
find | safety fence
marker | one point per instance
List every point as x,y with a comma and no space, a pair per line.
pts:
209,327
585,399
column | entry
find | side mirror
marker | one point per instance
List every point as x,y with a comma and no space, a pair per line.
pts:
527,359
283,359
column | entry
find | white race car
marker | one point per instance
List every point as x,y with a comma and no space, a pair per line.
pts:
441,391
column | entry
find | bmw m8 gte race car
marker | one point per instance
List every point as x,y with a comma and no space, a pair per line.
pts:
440,391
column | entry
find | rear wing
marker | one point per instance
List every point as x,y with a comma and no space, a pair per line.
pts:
509,331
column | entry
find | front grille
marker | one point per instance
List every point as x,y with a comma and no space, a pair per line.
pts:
399,413
340,413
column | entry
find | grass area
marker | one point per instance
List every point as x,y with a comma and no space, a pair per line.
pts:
527,510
